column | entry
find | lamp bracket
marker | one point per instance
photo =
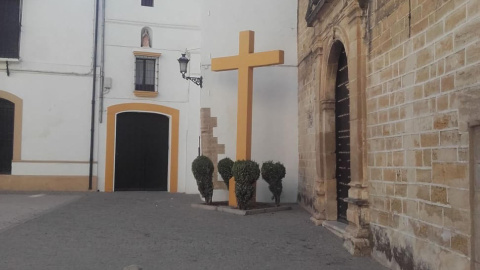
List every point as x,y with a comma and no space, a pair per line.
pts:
196,80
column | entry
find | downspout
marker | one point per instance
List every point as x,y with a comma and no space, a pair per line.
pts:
102,66
94,90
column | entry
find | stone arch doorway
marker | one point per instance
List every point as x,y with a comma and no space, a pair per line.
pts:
11,115
141,152
334,141
171,114
350,204
342,135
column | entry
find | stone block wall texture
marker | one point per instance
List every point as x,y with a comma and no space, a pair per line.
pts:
307,120
417,137
422,92
209,144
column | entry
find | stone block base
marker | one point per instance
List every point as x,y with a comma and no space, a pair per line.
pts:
357,246
45,183
317,222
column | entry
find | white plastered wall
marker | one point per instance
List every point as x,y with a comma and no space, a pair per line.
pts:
274,131
174,30
53,78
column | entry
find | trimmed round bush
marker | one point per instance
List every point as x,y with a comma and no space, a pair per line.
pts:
202,169
244,194
273,173
225,169
246,173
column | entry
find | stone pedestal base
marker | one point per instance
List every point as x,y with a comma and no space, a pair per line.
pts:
358,246
357,240
317,222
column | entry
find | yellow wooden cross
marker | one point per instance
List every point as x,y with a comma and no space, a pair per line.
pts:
245,61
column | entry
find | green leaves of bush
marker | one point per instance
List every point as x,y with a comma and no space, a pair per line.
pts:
225,169
246,173
273,173
202,169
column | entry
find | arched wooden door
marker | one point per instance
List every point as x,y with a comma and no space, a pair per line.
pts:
141,151
7,120
342,136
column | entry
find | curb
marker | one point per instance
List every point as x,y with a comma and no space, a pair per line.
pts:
227,209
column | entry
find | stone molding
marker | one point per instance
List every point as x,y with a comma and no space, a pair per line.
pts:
325,47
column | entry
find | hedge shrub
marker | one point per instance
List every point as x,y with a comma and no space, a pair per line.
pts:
273,173
225,169
202,168
246,173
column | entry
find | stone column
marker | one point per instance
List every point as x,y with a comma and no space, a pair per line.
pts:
358,215
319,185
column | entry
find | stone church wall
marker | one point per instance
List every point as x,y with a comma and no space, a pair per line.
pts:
422,84
418,140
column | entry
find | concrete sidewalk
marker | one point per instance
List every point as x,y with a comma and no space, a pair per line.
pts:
162,231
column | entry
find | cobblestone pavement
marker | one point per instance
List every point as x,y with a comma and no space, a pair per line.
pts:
158,230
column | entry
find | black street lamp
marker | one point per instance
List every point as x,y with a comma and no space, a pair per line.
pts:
183,61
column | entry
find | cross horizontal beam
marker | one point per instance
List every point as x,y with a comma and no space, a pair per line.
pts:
261,59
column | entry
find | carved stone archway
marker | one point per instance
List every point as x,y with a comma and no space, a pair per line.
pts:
332,40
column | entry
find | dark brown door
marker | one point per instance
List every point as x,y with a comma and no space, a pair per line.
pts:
141,151
7,116
342,133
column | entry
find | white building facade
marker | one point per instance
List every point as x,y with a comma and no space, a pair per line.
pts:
147,120
274,125
48,78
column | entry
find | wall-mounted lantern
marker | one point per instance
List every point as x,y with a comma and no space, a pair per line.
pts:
183,61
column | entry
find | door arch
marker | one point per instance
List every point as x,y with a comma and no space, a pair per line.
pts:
342,135
7,119
141,151
17,123
173,116
335,123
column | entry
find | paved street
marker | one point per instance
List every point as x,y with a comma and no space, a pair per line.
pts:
158,231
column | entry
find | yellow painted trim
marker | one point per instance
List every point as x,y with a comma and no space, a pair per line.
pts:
17,128
45,183
139,93
245,61
149,54
112,112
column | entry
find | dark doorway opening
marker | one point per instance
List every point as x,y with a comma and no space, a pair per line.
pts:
141,152
7,120
342,136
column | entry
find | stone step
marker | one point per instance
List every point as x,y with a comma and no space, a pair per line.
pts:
338,228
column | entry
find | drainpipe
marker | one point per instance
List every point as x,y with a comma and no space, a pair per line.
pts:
94,89
102,67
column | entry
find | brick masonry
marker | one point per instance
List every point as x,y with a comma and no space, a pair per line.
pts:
422,82
209,144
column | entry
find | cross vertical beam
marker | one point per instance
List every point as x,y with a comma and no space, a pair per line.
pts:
244,62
